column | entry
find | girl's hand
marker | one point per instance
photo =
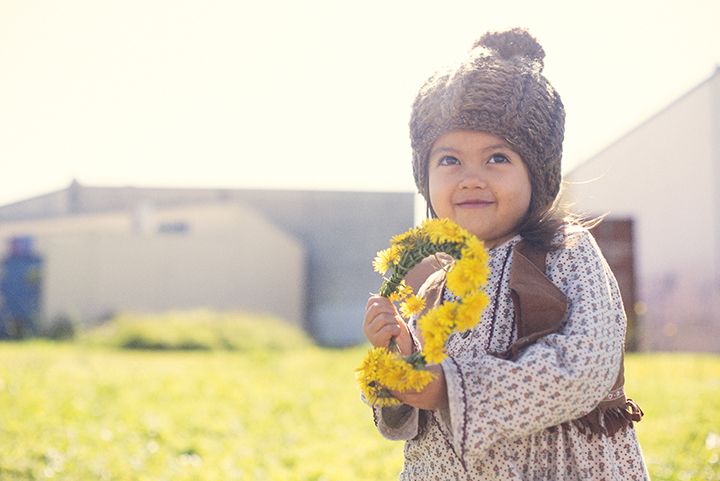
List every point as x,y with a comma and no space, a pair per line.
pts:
433,397
383,322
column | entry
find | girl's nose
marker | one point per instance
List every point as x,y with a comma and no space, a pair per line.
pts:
473,180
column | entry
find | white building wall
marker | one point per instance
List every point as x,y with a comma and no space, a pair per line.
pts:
664,175
229,258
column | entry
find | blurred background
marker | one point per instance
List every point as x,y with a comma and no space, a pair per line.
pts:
238,155
174,170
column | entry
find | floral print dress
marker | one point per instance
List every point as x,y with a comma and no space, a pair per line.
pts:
505,418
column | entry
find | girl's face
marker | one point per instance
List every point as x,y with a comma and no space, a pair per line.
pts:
478,181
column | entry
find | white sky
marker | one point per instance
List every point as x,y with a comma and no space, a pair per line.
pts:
302,94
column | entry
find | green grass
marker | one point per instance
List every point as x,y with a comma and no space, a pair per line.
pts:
680,395
196,331
83,412
77,413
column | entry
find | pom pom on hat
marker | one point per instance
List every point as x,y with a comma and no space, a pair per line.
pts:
513,43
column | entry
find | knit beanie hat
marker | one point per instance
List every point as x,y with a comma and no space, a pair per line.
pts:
499,89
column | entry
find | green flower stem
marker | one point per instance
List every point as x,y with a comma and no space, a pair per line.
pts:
416,359
393,345
412,255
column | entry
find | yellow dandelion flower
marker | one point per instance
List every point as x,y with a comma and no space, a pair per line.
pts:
384,371
480,270
431,228
474,247
390,371
427,323
470,310
367,387
401,293
369,375
401,238
431,322
436,326
467,276
385,259
443,230
417,379
412,379
380,263
434,349
446,317
366,370
475,255
413,305
404,289
461,279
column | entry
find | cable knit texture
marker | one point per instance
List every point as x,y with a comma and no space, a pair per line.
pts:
504,416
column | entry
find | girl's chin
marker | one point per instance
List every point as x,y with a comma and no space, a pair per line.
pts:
490,239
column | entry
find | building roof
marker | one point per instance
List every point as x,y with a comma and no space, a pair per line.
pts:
715,75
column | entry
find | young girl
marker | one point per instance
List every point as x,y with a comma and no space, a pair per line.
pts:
535,391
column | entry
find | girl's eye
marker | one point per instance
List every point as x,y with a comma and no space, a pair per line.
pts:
498,159
448,160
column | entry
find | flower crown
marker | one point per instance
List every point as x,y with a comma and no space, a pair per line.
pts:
384,369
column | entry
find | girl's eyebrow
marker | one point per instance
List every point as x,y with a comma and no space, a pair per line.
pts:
445,149
503,145
438,150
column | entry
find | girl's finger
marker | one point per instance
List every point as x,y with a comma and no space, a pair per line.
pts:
378,311
380,322
376,299
379,301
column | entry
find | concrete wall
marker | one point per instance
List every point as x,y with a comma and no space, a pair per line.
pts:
342,232
219,256
664,175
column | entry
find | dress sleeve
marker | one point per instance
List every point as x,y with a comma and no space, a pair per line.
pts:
560,377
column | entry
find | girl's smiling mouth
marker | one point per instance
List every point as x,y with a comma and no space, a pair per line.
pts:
473,203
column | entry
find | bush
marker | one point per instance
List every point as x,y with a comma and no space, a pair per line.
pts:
196,330
59,329
16,329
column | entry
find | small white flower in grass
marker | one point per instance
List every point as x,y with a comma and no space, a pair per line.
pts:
712,440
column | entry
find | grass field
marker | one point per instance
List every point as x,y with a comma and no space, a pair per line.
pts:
82,412
79,413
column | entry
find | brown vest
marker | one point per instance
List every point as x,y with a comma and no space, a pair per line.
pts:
540,309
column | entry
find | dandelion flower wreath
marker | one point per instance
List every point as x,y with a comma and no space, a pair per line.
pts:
384,369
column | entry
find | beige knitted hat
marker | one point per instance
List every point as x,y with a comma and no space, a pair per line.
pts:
499,89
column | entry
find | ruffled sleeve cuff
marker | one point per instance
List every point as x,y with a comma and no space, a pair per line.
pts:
397,422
